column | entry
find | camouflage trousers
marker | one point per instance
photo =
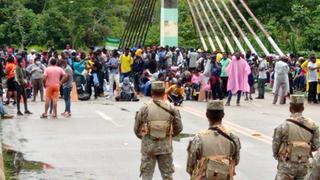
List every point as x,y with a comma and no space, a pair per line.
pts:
165,164
291,171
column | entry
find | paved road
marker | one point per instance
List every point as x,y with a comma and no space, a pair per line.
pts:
98,141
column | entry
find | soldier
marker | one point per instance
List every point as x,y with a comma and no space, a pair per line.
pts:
314,173
213,153
155,124
294,141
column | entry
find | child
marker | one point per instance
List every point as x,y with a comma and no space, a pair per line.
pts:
196,84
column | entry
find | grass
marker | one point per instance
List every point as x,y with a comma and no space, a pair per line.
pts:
9,170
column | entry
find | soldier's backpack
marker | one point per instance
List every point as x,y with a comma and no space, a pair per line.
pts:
159,122
296,151
215,167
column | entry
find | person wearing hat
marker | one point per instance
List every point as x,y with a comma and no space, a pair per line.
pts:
214,152
156,123
138,67
294,141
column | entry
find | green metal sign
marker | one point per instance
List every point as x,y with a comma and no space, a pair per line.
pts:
112,43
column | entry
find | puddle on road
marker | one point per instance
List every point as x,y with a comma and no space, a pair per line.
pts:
16,164
182,135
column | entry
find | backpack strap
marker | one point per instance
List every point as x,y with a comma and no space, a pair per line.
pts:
216,129
301,125
164,108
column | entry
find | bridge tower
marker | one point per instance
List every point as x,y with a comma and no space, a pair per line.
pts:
169,23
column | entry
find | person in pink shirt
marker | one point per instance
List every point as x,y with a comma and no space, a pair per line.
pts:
196,83
238,71
53,78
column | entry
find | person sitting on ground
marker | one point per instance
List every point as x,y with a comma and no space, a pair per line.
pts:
176,94
3,112
127,92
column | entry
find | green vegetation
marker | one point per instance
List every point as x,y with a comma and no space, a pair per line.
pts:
8,164
14,163
294,24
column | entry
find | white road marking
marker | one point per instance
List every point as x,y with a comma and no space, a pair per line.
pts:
107,118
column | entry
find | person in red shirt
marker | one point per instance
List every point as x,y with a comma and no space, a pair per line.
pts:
11,83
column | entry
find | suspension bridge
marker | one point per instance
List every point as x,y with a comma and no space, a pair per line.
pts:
221,25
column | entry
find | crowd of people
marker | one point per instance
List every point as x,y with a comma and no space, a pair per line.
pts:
125,75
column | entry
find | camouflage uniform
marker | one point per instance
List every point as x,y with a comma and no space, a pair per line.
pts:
156,150
314,173
290,132
212,143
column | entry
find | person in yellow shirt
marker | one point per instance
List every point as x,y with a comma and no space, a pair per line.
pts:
126,62
176,94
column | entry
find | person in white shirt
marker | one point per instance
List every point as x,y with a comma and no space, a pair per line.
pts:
193,57
180,59
31,57
281,80
262,77
168,56
313,79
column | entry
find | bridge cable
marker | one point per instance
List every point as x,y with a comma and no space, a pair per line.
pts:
142,21
138,22
149,22
147,18
273,43
229,28
212,28
134,23
204,27
205,47
126,31
256,37
244,37
226,39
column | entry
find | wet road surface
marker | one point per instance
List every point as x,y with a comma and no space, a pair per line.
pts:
98,142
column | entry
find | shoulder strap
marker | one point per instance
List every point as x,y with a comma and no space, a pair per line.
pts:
301,125
167,110
223,134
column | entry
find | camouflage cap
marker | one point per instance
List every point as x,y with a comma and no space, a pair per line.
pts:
297,99
158,86
215,105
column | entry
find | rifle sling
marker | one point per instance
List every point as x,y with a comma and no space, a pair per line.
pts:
301,125
167,110
223,134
